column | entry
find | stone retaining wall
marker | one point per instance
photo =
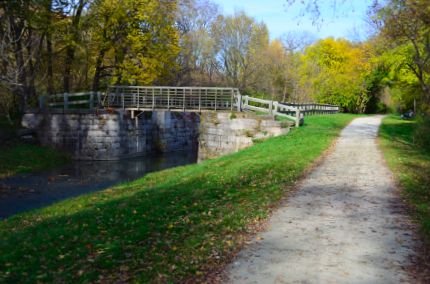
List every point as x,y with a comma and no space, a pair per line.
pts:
223,133
111,136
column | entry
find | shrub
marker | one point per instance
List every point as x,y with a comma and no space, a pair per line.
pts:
422,132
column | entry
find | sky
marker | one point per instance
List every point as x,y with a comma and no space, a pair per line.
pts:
346,20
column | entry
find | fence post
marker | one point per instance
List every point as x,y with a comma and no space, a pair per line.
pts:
239,101
275,106
66,101
42,102
297,117
231,99
246,102
91,100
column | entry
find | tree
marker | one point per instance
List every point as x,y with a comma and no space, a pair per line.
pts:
406,23
197,57
336,72
240,41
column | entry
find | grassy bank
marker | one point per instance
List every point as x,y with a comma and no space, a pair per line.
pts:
19,157
410,164
170,226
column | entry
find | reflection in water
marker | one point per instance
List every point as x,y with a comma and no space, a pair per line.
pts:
28,191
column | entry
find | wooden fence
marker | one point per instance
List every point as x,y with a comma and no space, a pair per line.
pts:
312,108
83,100
271,107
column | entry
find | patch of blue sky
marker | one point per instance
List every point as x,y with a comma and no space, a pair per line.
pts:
348,19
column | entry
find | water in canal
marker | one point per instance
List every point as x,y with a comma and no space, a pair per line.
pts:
27,191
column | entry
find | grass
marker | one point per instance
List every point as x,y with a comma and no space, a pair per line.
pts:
23,158
171,226
410,164
19,157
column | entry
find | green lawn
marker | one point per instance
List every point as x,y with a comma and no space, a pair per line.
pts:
410,164
171,226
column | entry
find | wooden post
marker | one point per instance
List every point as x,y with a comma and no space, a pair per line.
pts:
297,117
99,100
275,106
246,102
231,99
239,101
91,100
66,100
42,102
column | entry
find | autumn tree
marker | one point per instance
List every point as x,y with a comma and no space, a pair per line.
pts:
197,57
406,24
240,41
335,71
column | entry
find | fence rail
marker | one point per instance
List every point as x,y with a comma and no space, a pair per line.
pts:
312,108
86,100
191,99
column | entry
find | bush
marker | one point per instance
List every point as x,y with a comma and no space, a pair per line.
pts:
422,132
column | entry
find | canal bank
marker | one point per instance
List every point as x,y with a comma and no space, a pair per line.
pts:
28,191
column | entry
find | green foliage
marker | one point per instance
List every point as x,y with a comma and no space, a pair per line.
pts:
24,158
336,72
410,163
405,25
167,227
422,132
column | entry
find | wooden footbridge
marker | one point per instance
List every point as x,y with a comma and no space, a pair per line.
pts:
182,99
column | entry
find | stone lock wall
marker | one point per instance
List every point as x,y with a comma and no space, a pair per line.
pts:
111,136
223,133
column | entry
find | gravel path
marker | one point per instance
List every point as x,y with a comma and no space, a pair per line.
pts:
345,223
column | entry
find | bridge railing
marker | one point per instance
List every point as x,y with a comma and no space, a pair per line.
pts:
272,107
83,100
192,99
172,98
313,108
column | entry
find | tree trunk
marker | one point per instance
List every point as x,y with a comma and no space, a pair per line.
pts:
50,75
49,62
21,77
71,48
99,68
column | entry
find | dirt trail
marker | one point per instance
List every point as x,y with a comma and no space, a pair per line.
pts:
345,224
